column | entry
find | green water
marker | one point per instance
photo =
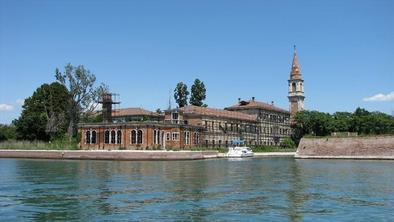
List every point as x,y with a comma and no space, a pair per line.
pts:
259,189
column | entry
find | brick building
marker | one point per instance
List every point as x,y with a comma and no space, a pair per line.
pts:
257,123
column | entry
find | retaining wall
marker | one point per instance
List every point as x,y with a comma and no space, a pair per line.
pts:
109,155
377,147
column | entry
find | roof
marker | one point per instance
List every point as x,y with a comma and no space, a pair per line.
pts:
252,104
133,112
295,67
217,113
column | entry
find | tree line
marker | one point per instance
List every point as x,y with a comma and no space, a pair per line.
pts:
54,109
360,121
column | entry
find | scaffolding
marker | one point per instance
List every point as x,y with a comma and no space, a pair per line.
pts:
110,103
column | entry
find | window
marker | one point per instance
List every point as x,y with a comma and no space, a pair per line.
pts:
156,137
133,137
196,138
139,136
168,136
293,85
119,137
175,136
175,117
87,137
113,136
187,137
93,140
106,137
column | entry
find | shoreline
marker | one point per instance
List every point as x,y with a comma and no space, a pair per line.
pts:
125,154
108,155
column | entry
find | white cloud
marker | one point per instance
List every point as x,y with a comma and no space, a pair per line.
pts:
380,97
20,102
6,107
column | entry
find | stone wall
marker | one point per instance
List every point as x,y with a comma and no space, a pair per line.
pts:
376,147
109,155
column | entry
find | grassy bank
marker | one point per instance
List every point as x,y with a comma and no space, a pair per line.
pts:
38,145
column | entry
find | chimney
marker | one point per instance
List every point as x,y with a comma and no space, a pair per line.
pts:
253,98
272,103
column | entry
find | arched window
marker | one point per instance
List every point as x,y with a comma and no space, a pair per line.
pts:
106,137
93,137
87,137
154,137
119,137
113,136
293,85
133,136
139,136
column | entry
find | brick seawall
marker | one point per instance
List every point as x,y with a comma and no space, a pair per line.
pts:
109,155
377,147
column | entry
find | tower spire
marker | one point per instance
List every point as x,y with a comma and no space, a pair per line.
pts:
295,66
296,87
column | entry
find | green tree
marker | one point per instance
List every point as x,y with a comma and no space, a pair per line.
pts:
288,143
7,132
342,122
44,114
198,93
84,95
312,123
180,94
323,124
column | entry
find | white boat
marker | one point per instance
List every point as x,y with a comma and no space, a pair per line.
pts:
239,152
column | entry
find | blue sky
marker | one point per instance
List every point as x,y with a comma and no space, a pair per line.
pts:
141,49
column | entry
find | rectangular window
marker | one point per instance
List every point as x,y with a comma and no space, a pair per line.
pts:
168,136
175,136
175,117
196,138
187,137
154,136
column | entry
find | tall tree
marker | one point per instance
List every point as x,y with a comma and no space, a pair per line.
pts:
7,132
84,95
198,93
44,114
181,94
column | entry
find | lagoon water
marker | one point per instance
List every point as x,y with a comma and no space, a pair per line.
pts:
259,189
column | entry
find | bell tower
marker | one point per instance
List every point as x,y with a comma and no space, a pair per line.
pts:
296,87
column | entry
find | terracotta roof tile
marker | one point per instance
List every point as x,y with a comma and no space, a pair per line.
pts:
218,113
251,104
133,112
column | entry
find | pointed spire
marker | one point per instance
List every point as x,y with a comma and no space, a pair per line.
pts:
295,66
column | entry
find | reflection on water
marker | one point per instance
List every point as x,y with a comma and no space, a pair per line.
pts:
274,189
